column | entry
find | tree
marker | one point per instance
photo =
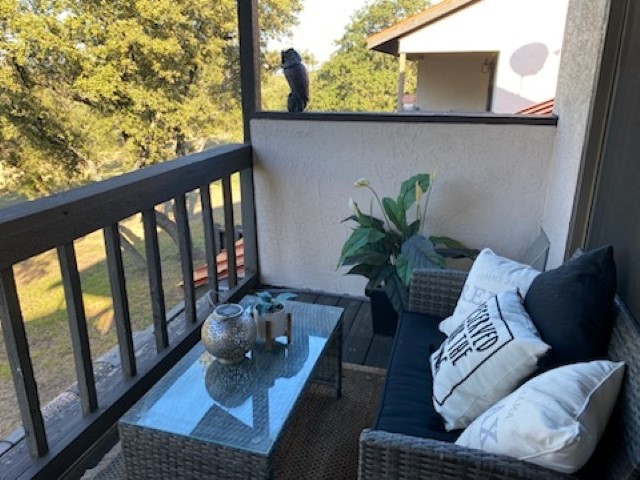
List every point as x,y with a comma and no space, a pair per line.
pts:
81,80
356,78
153,75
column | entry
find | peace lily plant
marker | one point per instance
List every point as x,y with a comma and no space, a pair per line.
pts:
387,250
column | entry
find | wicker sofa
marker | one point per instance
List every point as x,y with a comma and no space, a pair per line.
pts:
415,447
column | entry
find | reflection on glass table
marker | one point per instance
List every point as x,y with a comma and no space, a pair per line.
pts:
243,406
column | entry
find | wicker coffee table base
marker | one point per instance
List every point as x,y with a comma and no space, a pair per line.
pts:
151,453
154,454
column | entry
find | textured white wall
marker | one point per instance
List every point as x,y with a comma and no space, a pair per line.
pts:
582,52
527,33
489,190
452,82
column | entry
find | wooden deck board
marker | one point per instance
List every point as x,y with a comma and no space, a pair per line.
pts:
331,300
351,307
379,351
306,297
356,345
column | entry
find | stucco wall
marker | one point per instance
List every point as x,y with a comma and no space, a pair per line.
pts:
452,82
527,33
489,189
583,44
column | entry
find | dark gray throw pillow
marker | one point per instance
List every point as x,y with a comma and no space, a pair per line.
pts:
572,307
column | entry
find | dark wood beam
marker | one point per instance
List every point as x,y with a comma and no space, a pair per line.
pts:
30,228
210,237
118,284
230,231
78,328
486,118
249,226
83,432
186,258
249,33
55,222
156,289
15,339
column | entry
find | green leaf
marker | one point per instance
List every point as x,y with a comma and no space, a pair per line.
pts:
395,212
381,275
351,217
398,293
408,188
368,271
264,296
361,237
447,242
421,253
285,296
457,252
369,258
449,248
412,229
365,220
369,221
404,269
263,308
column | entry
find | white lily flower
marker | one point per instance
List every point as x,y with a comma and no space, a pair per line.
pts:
419,192
361,183
353,205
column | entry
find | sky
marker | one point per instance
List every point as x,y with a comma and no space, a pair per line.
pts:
321,23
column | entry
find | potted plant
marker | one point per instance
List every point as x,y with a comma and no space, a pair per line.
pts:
386,250
270,315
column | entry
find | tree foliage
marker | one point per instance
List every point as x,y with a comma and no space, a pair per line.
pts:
356,78
146,80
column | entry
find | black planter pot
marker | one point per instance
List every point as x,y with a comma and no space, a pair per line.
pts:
383,316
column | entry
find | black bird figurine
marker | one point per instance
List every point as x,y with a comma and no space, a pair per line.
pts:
298,79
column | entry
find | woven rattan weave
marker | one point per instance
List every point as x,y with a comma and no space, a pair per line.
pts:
203,420
385,455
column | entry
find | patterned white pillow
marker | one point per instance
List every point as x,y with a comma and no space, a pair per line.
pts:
490,274
554,420
484,359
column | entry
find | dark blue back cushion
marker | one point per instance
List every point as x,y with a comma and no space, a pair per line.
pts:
572,307
406,405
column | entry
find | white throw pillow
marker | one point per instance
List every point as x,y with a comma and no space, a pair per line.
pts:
484,359
490,274
554,420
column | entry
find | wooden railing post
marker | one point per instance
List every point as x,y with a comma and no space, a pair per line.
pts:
78,328
249,223
210,237
186,258
229,228
152,251
249,33
31,228
117,282
15,339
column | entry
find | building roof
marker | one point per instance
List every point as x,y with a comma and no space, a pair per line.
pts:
542,108
387,40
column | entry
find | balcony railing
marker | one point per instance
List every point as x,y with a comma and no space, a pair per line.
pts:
29,229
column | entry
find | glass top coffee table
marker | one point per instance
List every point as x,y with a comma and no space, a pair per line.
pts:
204,419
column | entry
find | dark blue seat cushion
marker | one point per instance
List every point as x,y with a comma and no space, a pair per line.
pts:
406,406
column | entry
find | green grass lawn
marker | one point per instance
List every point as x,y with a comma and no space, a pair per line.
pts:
44,310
